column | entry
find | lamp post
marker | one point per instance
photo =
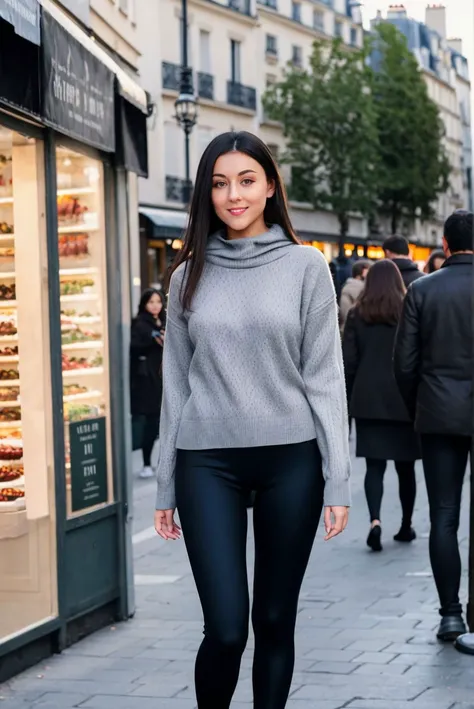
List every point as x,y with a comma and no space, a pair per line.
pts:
186,103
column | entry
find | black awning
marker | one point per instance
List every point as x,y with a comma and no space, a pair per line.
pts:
132,144
165,223
19,71
24,16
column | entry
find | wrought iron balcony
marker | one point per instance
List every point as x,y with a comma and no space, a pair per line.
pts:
205,85
242,6
171,75
175,189
240,95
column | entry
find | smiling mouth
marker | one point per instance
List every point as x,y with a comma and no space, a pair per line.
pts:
238,211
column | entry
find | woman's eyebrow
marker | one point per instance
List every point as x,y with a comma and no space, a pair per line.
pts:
244,172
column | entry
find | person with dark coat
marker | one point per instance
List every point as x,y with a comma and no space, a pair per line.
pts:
384,428
433,366
146,354
397,250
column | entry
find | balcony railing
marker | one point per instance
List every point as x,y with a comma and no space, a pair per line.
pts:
205,86
171,76
242,6
240,95
175,189
270,3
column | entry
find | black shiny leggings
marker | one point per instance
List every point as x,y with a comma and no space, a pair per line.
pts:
406,487
212,488
444,462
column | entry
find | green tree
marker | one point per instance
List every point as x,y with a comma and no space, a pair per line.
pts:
329,121
414,165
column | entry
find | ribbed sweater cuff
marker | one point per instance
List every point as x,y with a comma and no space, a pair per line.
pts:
165,496
337,493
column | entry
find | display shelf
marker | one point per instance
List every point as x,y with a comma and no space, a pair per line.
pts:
12,442
8,338
78,297
8,383
85,372
78,228
10,404
64,272
5,238
77,320
6,200
88,345
7,359
10,424
63,192
8,275
16,482
83,396
7,303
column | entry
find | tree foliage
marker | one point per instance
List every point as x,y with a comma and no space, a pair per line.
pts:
328,118
414,165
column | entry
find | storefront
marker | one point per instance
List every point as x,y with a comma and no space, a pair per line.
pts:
65,152
161,234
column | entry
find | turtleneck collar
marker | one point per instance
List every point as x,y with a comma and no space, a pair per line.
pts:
248,252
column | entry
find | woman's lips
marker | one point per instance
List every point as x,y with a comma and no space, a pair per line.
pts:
237,211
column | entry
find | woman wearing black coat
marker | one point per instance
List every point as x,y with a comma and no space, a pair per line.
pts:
384,428
146,354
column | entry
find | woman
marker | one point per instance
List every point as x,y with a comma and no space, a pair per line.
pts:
146,353
384,429
254,399
435,261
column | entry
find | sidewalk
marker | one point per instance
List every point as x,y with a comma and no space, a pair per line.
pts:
365,636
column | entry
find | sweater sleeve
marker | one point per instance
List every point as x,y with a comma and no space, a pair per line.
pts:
323,376
177,356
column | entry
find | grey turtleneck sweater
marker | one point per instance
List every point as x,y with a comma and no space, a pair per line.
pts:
257,361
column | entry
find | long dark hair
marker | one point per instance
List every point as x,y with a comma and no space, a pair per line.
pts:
381,300
203,220
146,297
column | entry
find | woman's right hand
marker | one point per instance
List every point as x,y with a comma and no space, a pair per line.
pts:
165,525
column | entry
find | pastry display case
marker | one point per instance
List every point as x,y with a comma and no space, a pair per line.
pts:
84,341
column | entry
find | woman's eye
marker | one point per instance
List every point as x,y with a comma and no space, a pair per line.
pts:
219,184
247,181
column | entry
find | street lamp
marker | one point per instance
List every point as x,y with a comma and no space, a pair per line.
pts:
186,103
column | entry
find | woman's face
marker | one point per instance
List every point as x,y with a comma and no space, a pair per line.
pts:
240,190
154,305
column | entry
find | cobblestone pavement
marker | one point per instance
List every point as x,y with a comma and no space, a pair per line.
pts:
365,634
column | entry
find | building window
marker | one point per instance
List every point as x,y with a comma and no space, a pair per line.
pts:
235,48
297,55
205,51
338,29
354,37
271,46
296,11
318,20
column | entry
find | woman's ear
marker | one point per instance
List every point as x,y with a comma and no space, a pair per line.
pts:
271,188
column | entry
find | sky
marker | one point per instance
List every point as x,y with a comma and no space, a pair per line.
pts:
460,18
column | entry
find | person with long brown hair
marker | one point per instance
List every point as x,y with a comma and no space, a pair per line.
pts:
254,400
384,428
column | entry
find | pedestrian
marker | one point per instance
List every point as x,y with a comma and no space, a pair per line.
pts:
146,353
435,261
383,426
254,399
433,367
352,289
397,250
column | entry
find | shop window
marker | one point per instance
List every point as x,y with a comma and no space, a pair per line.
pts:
27,530
84,340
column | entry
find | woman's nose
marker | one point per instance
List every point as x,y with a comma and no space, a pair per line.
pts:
234,195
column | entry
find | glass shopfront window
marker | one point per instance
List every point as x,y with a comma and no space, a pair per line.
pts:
84,338
27,530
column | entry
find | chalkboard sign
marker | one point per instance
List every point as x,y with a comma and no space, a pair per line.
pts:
88,463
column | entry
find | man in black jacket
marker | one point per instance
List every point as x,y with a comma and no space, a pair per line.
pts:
397,250
433,366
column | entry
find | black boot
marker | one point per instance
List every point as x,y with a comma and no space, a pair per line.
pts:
374,540
451,627
406,534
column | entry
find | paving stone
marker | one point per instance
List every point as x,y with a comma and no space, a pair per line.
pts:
369,645
374,658
332,655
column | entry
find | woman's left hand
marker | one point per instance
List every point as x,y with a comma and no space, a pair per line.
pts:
335,521
161,339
